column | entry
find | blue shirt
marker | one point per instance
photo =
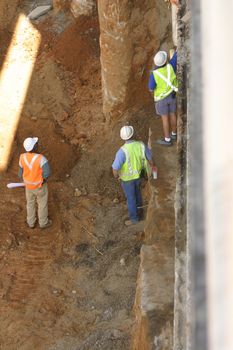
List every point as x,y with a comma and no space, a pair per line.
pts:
152,83
120,157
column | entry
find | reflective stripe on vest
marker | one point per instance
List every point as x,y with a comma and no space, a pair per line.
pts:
169,86
131,173
29,165
32,170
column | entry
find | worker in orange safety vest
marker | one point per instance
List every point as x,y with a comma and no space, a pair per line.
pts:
35,170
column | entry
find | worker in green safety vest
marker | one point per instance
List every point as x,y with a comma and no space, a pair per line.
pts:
130,160
163,84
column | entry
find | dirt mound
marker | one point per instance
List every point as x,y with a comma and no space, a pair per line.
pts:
78,44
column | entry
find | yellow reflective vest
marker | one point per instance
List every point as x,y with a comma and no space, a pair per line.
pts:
135,161
166,82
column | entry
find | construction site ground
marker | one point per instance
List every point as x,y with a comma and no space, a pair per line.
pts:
72,286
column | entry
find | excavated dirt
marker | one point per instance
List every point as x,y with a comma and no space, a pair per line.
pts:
71,286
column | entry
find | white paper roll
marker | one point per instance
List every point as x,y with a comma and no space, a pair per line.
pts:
15,184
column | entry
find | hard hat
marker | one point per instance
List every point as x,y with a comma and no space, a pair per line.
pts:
29,143
160,58
126,132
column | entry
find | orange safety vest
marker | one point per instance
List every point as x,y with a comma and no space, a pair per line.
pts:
32,171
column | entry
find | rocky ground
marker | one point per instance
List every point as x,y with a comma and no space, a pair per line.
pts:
71,286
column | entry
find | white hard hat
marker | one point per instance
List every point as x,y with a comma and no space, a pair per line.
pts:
29,143
126,132
160,58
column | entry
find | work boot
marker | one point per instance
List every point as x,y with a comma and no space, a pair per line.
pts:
163,142
173,137
130,223
32,227
49,223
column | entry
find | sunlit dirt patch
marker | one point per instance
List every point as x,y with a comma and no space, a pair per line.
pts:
14,81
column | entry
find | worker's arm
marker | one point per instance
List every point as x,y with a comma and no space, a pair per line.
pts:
173,61
149,156
20,172
46,170
115,173
152,83
118,162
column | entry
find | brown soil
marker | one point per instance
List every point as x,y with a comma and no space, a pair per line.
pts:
71,286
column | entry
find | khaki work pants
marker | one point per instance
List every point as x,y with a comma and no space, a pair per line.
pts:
39,195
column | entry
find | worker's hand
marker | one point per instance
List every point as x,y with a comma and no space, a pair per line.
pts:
115,174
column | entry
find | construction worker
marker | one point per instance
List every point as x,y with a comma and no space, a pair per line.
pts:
35,170
129,162
163,84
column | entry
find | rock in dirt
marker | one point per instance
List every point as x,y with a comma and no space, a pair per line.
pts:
117,334
56,291
122,262
39,11
82,7
77,192
84,191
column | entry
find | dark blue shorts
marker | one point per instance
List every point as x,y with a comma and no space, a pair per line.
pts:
166,106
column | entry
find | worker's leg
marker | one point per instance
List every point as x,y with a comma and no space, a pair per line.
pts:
166,128
42,201
31,207
138,198
173,119
162,108
173,122
129,190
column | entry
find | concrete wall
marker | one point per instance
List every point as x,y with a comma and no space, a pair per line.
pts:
182,241
212,133
154,304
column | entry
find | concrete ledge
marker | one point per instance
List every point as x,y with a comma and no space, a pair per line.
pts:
154,300
39,11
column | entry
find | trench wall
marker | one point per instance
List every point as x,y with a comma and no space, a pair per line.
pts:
163,305
154,302
182,286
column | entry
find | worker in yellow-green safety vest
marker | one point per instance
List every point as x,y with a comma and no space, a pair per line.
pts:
163,84
130,160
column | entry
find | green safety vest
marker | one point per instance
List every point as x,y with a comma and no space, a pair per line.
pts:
135,161
166,82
